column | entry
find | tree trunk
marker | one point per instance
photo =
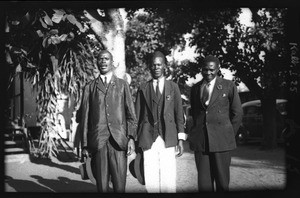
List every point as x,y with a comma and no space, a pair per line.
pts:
111,33
268,106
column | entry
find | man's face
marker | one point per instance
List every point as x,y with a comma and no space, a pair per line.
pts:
209,71
105,62
157,67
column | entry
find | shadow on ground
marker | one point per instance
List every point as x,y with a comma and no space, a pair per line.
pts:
24,185
61,184
64,184
51,163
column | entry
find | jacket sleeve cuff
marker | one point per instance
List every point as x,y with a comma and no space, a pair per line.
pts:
182,136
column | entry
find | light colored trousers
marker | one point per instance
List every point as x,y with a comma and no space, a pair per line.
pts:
160,168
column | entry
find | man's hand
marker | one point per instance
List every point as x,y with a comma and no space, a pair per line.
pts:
179,148
85,152
130,147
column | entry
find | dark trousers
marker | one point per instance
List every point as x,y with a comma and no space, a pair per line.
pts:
213,167
110,160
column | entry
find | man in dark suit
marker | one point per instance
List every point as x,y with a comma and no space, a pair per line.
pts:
217,115
108,124
160,128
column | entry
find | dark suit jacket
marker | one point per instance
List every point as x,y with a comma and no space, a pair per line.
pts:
222,118
111,111
172,114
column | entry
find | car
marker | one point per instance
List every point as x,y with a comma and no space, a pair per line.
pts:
251,128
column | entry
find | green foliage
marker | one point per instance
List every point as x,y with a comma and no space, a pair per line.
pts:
55,51
262,62
143,37
211,34
179,72
155,29
258,54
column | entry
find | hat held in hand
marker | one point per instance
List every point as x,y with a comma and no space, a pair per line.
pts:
136,167
86,171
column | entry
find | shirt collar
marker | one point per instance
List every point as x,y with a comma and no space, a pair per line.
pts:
107,75
161,79
212,82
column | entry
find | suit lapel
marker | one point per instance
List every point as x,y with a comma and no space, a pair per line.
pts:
167,94
100,85
146,92
111,83
216,91
153,93
200,93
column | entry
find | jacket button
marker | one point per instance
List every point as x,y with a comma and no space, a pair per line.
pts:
109,124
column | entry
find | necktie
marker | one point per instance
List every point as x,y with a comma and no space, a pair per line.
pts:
205,94
105,81
157,90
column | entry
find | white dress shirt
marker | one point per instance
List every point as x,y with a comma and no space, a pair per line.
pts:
108,76
210,89
161,84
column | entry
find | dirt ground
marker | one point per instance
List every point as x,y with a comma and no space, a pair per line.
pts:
252,169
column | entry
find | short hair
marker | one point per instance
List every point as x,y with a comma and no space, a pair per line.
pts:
211,58
160,55
105,51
